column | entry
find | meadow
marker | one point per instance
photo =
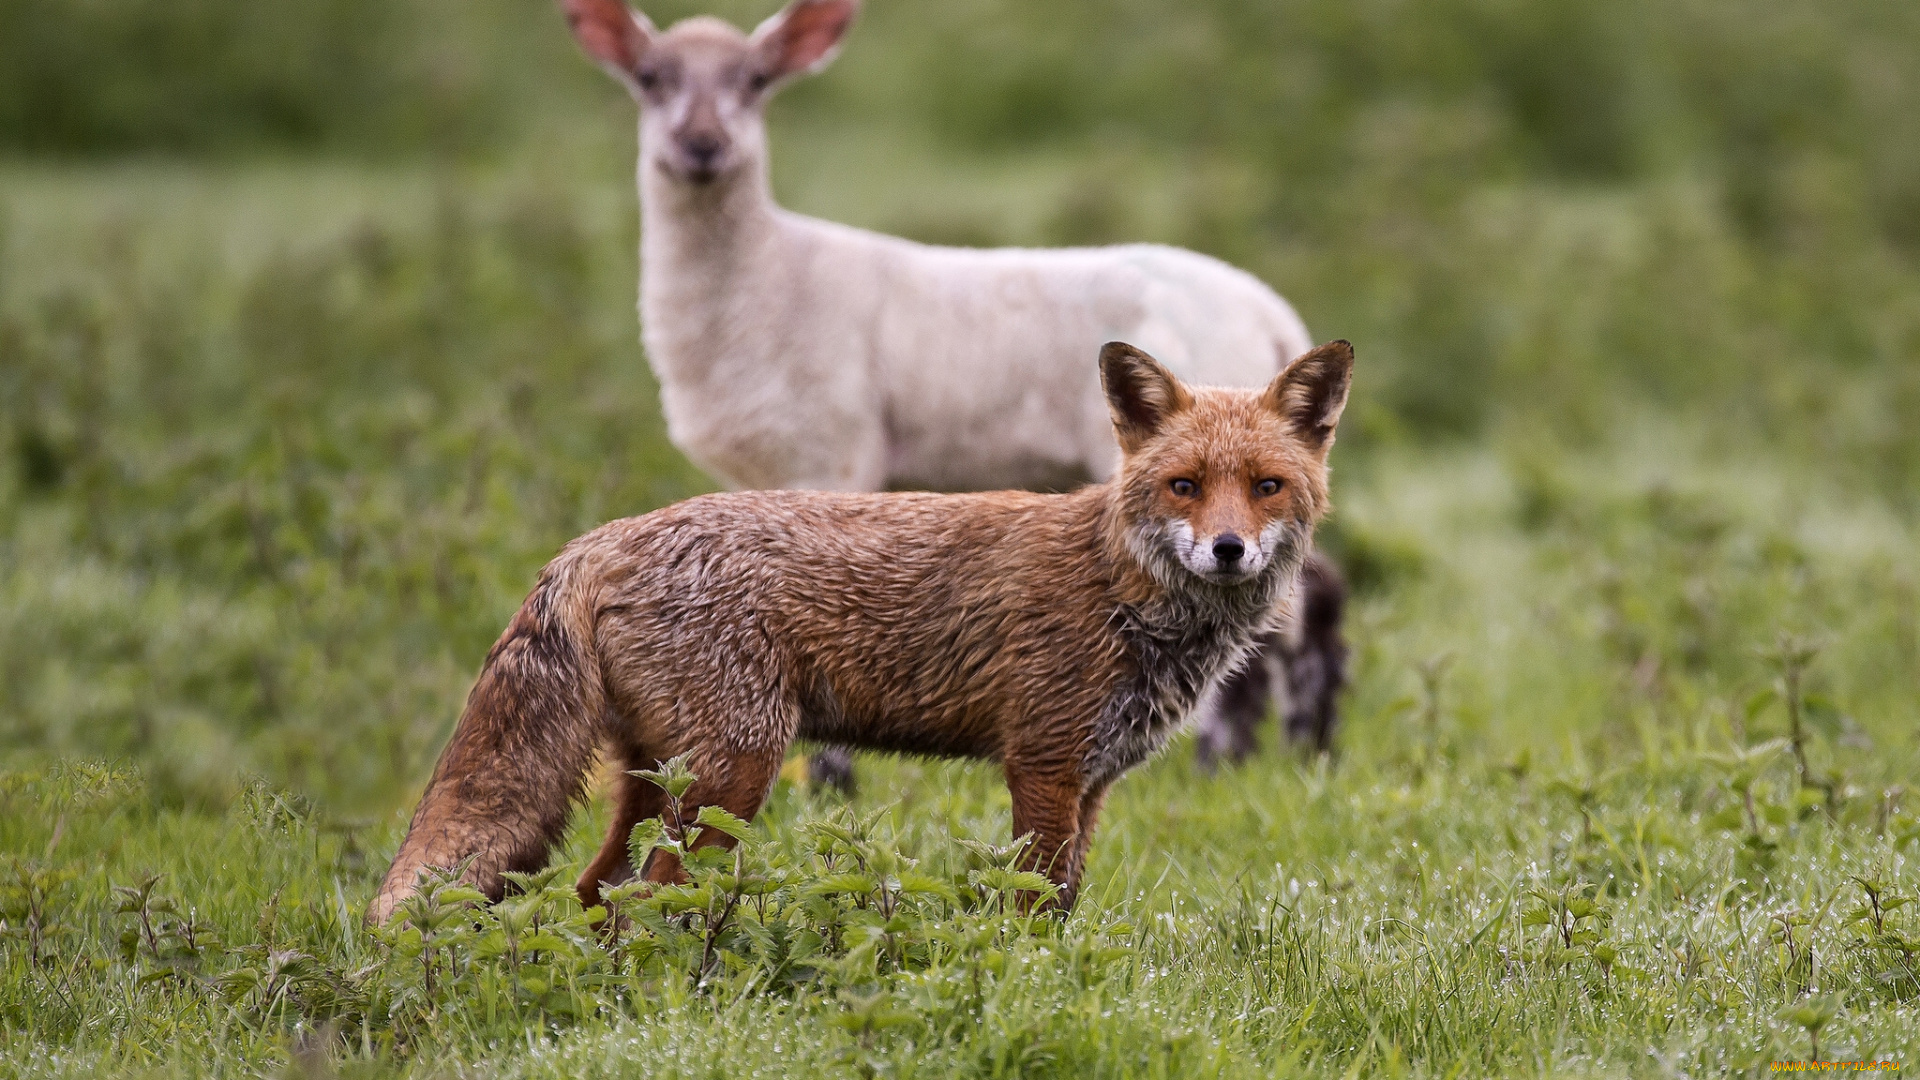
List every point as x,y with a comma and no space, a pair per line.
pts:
306,367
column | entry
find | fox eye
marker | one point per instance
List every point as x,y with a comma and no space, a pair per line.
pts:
649,80
758,81
1185,488
1268,486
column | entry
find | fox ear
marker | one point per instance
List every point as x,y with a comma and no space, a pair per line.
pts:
1140,393
1310,394
613,34
803,37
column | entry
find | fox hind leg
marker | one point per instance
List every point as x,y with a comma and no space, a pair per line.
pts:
735,743
737,783
634,801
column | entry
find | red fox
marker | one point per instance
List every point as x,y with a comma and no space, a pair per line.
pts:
1065,636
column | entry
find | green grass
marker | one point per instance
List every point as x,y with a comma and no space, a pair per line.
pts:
278,480
1381,913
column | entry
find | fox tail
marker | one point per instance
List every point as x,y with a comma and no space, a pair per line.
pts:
502,791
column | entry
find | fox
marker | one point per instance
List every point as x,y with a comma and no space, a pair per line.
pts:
1065,636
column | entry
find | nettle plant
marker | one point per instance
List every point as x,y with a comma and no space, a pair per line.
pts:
844,915
173,943
30,895
1754,809
1886,934
840,921
852,909
1575,923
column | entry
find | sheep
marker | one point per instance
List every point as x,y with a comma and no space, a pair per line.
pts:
798,353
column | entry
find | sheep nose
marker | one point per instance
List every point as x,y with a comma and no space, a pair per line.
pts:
1227,549
703,149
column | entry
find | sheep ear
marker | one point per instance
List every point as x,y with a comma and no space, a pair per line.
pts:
613,34
803,37
1311,393
1141,394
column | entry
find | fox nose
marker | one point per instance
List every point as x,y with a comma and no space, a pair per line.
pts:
1227,550
703,149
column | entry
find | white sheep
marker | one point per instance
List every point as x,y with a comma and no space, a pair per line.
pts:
798,353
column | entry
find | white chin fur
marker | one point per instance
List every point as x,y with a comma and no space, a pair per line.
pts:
1197,555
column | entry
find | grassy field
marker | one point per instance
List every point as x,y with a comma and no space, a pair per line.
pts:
289,445
292,412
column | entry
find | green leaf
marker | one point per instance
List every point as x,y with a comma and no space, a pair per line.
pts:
545,942
914,883
844,883
516,912
648,915
720,819
677,898
534,882
991,855
626,890
832,831
1727,819
1823,713
806,943
238,983
674,776
1013,880
1813,1013
491,944
646,836
756,885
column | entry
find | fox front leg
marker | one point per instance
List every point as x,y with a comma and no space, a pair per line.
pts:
1047,805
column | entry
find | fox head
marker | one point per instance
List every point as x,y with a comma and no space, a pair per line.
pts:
1223,486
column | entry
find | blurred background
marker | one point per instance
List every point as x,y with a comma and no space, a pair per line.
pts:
317,336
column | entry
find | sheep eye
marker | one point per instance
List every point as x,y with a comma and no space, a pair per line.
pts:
1185,488
1268,487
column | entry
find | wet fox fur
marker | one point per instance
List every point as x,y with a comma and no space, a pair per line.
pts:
1065,636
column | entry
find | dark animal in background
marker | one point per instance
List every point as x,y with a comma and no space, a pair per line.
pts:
1303,664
